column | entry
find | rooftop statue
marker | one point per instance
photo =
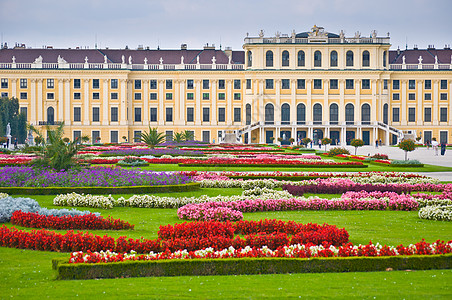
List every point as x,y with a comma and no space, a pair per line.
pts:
123,59
38,60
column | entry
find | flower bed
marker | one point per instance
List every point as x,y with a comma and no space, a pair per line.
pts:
269,162
153,152
87,221
438,213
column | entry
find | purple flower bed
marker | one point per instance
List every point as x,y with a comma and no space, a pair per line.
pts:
185,143
154,152
106,177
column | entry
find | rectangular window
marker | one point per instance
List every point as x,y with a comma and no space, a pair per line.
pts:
77,114
153,84
221,84
237,84
443,137
428,84
95,83
23,83
4,83
114,137
221,96
153,96
23,95
269,83
395,114
169,96
190,84
4,94
169,84
137,96
95,135
77,135
301,84
153,115
205,96
190,96
248,84
169,135
190,114
427,114
443,114
333,84
365,84
137,114
427,96
206,114
237,96
137,84
443,84
396,84
285,84
114,114
395,96
206,136
24,111
137,136
349,84
50,96
77,83
385,84
412,84
114,83
169,114
205,84
411,114
96,96
317,84
237,114
221,114
50,83
114,96
77,96
443,96
95,114
411,96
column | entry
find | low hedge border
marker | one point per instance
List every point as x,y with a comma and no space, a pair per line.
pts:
248,266
145,189
406,166
288,178
275,165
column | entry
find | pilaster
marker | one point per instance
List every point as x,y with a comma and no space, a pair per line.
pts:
86,102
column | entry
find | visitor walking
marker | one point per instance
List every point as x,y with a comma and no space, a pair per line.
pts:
320,144
443,148
380,142
376,144
427,143
15,143
435,146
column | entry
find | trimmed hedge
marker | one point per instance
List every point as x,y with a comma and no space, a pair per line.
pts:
272,165
406,166
287,178
247,266
145,189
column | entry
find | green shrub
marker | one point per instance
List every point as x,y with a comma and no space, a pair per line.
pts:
357,143
407,146
337,150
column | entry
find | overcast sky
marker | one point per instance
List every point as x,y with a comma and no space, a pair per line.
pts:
168,23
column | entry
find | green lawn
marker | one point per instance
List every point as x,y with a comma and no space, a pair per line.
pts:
28,274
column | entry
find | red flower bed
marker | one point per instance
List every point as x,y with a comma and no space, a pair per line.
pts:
265,162
89,221
102,161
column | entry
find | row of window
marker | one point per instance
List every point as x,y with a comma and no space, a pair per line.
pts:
412,114
412,96
412,84
301,59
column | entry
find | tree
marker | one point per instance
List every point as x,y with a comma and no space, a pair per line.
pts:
326,141
188,135
178,137
306,141
152,138
407,146
9,113
357,143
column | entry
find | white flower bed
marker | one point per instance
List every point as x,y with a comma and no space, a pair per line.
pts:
3,195
439,213
74,199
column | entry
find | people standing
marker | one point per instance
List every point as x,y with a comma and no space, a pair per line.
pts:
443,148
376,144
320,144
15,143
435,146
427,142
380,142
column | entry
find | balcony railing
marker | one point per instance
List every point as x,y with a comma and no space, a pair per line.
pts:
316,40
403,67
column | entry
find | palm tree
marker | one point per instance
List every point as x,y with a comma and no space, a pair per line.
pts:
153,137
178,137
188,135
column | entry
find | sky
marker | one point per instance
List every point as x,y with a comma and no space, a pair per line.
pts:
170,23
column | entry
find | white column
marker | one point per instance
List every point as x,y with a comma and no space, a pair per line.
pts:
61,101
67,102
309,101
161,95
197,84
341,83
176,108
123,102
278,101
33,102
358,103
403,103
326,115
105,104
293,105
374,107
40,104
214,102
229,103
130,102
182,102
435,101
449,110
14,88
261,109
86,102
420,84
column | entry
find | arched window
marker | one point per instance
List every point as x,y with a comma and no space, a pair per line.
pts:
250,58
366,59
285,113
269,114
248,114
349,58
349,114
384,58
365,114
50,115
334,113
301,113
333,59
317,111
269,59
285,58
301,61
385,114
317,59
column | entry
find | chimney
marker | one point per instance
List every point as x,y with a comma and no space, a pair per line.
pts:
228,51
183,46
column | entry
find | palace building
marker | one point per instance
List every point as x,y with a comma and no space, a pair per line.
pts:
312,84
